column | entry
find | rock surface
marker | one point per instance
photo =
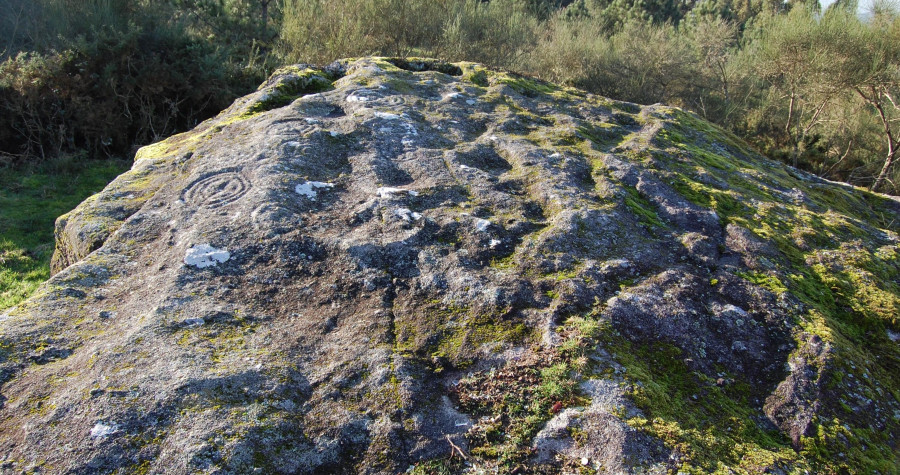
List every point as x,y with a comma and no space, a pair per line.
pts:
396,265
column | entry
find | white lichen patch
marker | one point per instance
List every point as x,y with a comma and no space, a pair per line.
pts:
308,189
389,192
407,215
387,116
410,129
193,322
894,336
204,255
494,243
357,97
482,225
101,430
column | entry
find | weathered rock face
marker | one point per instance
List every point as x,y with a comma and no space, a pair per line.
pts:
391,264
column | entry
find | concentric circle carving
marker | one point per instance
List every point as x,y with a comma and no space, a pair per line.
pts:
214,191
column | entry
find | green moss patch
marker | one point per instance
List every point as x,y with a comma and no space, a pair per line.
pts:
642,208
423,64
603,136
767,281
514,402
308,81
454,333
526,86
710,421
836,261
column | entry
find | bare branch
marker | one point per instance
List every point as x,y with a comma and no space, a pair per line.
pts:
455,449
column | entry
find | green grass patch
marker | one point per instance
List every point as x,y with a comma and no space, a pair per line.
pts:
478,78
30,201
445,466
426,64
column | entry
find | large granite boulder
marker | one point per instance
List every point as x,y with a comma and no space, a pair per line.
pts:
388,265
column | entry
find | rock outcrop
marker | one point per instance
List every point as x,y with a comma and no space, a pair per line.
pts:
392,265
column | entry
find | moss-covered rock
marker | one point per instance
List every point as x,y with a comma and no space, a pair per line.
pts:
392,265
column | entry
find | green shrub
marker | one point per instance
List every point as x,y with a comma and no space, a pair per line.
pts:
144,75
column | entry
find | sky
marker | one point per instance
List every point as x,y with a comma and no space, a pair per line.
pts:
863,7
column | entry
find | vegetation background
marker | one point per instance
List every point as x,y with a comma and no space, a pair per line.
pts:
89,80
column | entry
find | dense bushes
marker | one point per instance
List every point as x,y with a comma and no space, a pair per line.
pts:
112,75
106,96
818,90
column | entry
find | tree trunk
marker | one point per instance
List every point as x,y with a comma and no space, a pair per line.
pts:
265,13
888,163
891,156
787,130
